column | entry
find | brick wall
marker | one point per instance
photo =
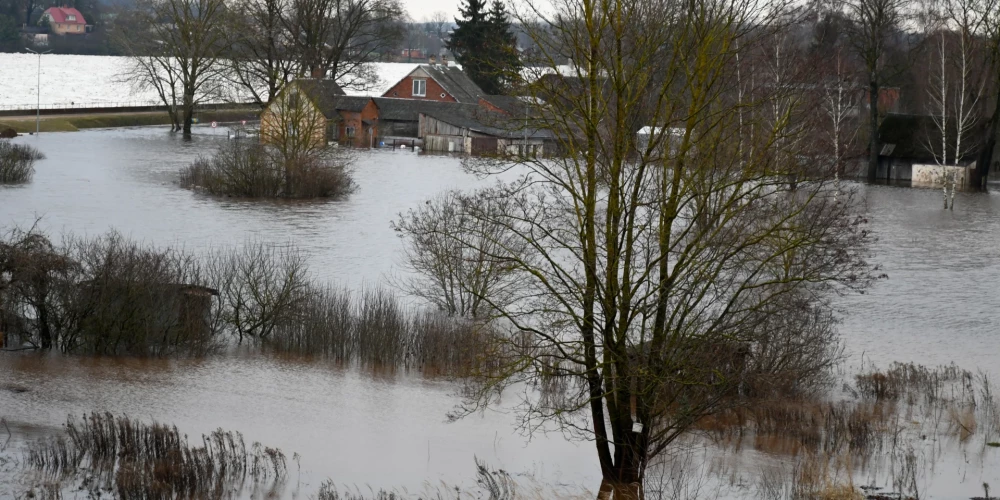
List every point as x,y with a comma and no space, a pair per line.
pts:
404,90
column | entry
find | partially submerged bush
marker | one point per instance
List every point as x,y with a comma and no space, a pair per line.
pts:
252,170
17,162
112,296
105,295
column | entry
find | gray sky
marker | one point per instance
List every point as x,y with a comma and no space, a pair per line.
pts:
421,10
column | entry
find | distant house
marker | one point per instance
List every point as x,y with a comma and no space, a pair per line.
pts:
435,82
65,21
909,141
413,54
319,109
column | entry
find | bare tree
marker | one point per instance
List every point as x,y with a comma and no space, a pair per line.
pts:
658,277
454,277
340,38
260,57
989,10
874,25
957,79
840,103
175,48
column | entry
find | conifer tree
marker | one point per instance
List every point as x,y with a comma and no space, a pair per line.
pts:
484,45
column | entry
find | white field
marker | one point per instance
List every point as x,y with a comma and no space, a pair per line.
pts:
83,81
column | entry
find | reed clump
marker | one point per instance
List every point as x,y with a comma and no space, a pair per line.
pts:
155,461
17,162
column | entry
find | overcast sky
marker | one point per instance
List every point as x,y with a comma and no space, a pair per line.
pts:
421,10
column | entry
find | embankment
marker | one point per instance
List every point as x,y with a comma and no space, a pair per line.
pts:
25,124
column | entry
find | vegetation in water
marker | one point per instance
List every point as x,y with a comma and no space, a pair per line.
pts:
134,459
109,295
17,162
247,169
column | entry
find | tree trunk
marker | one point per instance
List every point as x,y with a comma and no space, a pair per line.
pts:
44,332
982,170
188,112
616,490
873,140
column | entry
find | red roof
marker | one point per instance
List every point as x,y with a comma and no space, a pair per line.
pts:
62,15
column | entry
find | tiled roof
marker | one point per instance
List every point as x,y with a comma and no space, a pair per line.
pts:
408,110
455,82
492,123
330,98
62,14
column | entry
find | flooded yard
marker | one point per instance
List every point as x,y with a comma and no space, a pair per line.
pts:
938,306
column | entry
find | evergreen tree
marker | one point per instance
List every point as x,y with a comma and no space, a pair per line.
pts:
504,56
484,45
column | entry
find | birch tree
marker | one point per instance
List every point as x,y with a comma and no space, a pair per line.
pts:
840,103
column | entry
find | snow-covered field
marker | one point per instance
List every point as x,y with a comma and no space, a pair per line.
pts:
83,81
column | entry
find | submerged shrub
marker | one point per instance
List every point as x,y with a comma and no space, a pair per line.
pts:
17,162
105,295
252,170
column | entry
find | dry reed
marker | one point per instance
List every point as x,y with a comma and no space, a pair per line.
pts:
154,461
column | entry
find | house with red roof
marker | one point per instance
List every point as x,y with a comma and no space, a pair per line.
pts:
65,21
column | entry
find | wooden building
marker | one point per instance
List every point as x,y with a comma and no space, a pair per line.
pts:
480,132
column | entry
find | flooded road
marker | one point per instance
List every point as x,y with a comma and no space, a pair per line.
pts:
939,305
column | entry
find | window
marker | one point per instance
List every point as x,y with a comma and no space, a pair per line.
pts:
71,17
349,132
293,100
419,87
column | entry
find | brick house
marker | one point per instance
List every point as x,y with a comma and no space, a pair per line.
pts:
434,82
65,21
319,109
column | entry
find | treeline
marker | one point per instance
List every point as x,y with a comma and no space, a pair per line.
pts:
109,295
189,51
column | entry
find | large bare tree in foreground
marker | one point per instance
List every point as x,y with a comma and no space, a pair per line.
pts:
663,275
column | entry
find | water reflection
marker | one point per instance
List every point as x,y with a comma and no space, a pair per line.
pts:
940,303
96,180
355,428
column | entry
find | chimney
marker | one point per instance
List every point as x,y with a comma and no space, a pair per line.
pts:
432,60
317,73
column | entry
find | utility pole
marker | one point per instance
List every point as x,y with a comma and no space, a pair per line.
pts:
38,91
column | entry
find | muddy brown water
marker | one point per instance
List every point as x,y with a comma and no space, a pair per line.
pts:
940,304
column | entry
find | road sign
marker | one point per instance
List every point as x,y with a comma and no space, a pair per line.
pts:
215,124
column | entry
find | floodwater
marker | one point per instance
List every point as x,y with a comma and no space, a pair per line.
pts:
939,305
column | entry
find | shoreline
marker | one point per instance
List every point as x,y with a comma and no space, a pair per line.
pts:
25,124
